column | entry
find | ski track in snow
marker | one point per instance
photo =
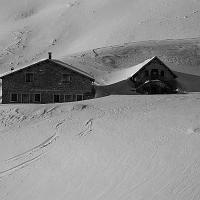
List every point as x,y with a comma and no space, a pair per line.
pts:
143,153
23,159
19,166
26,158
44,144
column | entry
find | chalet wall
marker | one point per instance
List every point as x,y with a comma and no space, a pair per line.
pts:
141,77
48,80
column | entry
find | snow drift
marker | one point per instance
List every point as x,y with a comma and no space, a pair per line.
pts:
118,147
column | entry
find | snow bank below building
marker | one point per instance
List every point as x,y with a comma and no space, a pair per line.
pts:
116,147
122,85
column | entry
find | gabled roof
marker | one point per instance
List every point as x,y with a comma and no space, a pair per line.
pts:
52,61
124,74
73,68
135,69
20,68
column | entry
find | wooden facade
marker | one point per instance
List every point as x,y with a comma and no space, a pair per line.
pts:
48,81
154,78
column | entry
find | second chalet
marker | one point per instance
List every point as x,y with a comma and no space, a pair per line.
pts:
149,77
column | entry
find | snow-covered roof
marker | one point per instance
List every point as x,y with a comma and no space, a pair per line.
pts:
73,68
19,68
131,71
50,60
134,69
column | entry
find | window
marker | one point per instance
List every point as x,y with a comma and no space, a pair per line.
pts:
66,78
14,98
29,77
79,97
162,73
154,72
146,73
37,98
56,98
68,98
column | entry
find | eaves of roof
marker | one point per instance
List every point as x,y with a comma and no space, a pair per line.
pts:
63,64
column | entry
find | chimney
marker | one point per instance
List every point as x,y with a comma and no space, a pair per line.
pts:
50,55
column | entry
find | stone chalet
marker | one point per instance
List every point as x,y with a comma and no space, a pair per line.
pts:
47,81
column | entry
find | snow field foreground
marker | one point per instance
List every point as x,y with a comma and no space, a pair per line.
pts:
113,148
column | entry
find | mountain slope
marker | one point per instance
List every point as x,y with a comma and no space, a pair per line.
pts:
106,64
31,28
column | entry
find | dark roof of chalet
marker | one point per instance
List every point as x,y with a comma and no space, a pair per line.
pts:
58,62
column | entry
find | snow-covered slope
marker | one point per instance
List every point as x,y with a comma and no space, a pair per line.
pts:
107,63
118,147
112,66
30,28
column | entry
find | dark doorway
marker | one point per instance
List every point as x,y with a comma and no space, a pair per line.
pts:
37,98
56,98
14,98
154,89
79,97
